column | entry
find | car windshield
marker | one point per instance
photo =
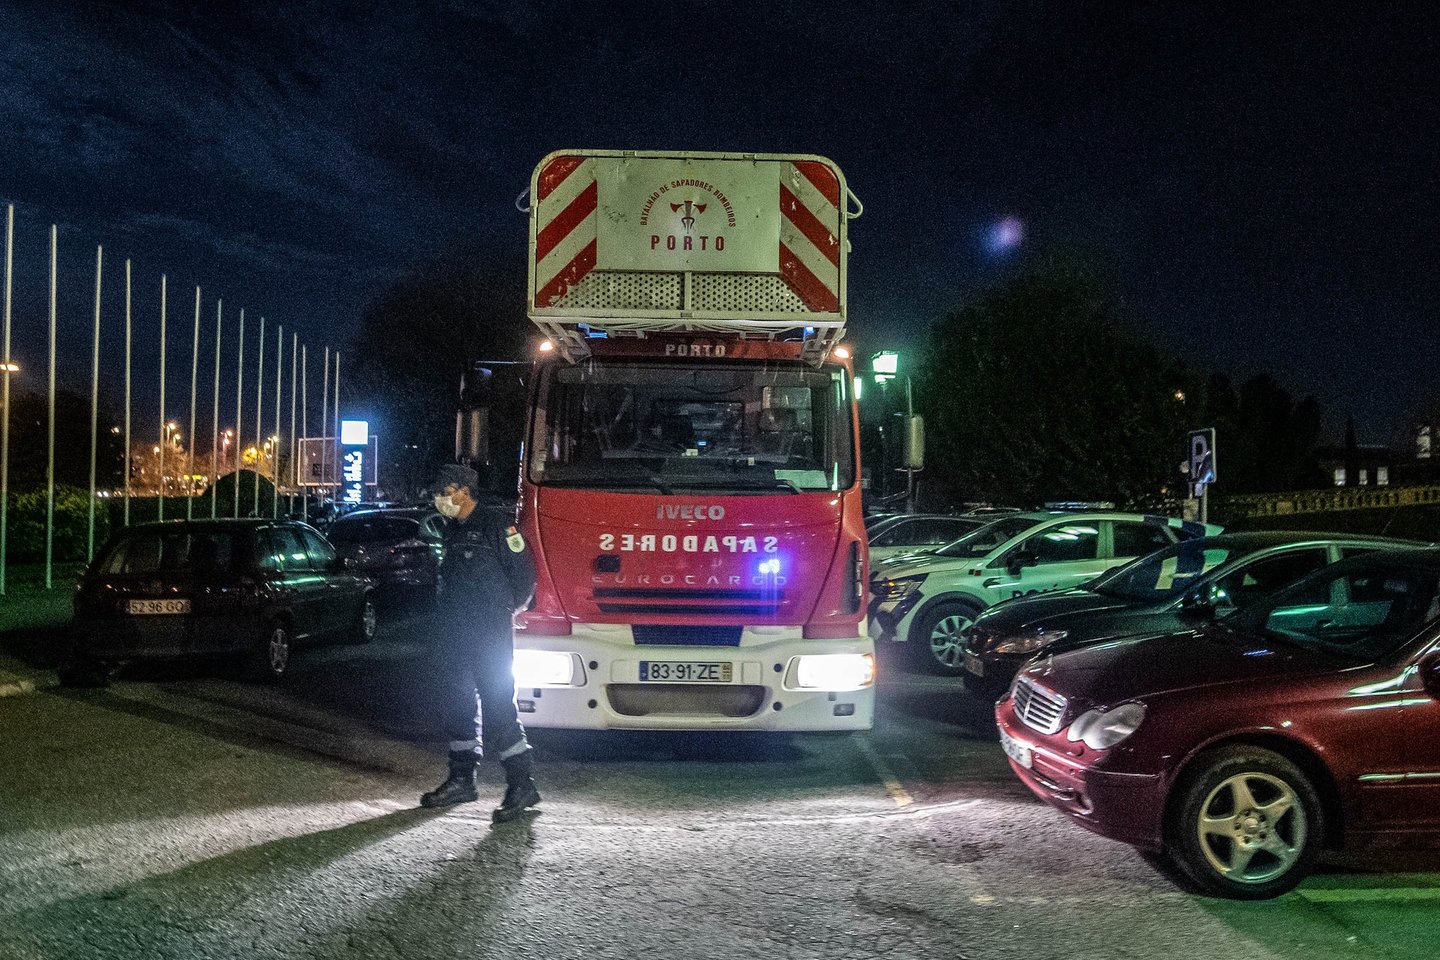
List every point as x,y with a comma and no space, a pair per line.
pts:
741,427
1165,573
978,543
1363,611
171,551
373,529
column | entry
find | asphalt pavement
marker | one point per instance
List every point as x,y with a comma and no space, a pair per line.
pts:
181,814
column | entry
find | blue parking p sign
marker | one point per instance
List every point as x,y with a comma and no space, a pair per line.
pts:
1202,459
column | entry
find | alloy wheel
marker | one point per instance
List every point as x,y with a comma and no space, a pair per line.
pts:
1252,828
946,640
279,649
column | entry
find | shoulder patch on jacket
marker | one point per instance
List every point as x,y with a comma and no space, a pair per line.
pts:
514,540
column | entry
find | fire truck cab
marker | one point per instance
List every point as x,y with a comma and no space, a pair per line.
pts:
690,468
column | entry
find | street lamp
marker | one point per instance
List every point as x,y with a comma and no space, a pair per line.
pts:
885,365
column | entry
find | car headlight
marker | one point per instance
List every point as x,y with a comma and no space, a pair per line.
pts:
1030,642
898,588
1101,729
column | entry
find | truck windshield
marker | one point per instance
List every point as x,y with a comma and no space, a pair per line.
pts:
742,427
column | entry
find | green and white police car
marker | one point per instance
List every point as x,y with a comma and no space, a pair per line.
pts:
927,600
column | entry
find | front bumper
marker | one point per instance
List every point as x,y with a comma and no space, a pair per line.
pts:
606,691
158,637
1128,807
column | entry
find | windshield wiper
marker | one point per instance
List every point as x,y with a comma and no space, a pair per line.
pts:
655,482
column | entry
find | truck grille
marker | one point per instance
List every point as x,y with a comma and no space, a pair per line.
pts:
662,635
685,699
692,602
1038,708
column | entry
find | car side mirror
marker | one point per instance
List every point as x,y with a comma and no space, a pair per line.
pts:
1019,560
1201,602
1430,673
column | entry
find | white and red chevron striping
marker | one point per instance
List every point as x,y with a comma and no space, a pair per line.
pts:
809,234
565,241
809,243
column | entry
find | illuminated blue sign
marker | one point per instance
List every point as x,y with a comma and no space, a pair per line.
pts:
354,438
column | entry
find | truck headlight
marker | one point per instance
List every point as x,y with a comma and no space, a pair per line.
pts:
1030,642
835,671
888,590
543,668
1101,729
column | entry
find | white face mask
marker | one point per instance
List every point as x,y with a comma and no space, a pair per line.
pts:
447,505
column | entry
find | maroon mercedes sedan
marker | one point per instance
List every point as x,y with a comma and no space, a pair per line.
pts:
1309,721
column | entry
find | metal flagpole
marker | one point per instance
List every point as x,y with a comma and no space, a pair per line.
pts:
275,443
5,373
239,403
94,404
50,447
336,412
294,469
164,440
194,382
259,393
127,393
325,426
304,424
215,415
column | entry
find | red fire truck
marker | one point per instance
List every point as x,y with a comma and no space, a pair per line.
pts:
690,472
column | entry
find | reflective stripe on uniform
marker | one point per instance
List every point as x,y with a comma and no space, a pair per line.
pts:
460,746
514,750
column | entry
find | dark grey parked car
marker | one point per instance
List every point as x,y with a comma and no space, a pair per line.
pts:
1170,591
187,588
400,550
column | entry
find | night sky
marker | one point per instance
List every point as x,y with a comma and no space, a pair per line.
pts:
1255,175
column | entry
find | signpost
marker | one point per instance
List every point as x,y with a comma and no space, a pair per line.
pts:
1201,467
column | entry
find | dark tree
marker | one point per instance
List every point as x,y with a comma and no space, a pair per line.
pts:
29,441
414,344
1266,441
1040,390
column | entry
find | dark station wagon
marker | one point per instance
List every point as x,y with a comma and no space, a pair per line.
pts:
184,588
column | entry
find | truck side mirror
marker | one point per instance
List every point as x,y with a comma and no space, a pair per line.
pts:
913,447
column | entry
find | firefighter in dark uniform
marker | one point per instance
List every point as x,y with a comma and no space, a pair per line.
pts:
489,575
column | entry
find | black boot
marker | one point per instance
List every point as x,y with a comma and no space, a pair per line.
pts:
520,792
459,787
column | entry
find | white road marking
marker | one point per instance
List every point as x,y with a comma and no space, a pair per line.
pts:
1370,894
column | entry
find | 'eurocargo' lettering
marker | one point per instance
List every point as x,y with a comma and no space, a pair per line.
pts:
690,543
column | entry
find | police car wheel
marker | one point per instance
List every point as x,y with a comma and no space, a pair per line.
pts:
936,641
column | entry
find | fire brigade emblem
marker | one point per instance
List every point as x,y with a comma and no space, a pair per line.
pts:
691,208
514,540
